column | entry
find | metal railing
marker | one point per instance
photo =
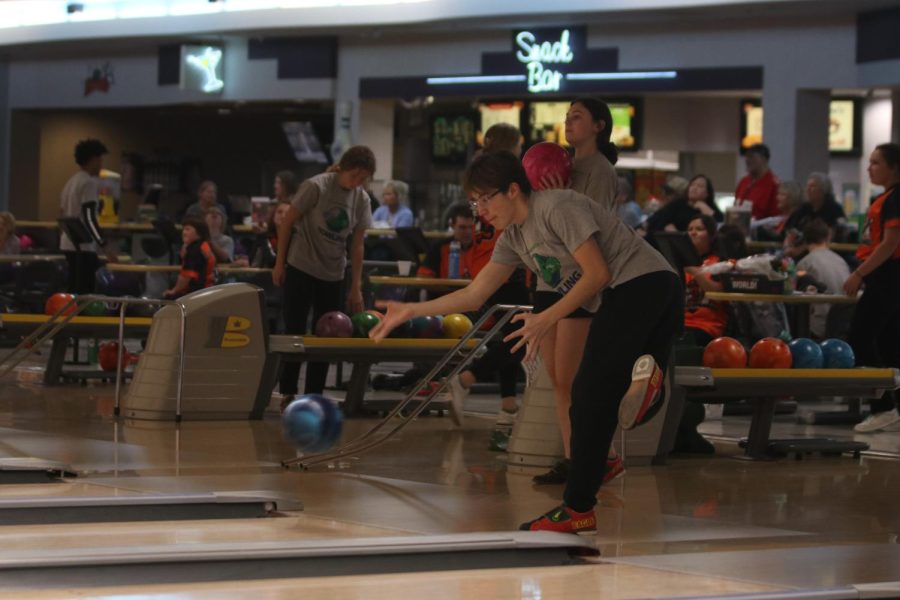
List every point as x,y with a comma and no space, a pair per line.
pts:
370,439
60,319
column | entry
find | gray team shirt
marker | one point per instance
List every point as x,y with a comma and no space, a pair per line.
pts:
595,177
829,269
558,222
80,189
329,214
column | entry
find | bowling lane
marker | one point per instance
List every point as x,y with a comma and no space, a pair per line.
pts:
607,581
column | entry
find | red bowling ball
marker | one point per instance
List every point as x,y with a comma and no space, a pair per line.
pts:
724,353
56,302
547,159
770,353
334,324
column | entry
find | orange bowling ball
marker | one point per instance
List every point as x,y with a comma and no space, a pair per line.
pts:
456,325
770,353
725,353
56,302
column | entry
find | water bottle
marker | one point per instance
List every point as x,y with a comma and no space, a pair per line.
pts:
453,261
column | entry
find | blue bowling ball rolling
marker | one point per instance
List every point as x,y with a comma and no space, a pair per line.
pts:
312,423
806,354
838,354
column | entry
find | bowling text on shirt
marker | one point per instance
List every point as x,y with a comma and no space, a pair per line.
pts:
534,56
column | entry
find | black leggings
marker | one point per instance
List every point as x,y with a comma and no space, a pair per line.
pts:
641,316
303,292
875,331
498,358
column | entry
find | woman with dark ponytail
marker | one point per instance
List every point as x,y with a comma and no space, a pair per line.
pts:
588,130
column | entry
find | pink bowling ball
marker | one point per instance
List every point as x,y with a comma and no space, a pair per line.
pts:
547,158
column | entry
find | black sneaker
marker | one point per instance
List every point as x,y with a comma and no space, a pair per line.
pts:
557,474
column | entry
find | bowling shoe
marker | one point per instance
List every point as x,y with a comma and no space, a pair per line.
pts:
563,520
643,398
615,467
557,474
878,421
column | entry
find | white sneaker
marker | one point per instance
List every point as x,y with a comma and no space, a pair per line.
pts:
458,396
878,421
505,419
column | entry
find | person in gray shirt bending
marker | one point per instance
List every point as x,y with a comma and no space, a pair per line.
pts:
584,253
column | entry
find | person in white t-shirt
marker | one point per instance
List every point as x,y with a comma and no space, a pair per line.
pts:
824,266
80,197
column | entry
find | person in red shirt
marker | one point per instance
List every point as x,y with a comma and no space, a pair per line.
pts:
705,319
873,332
759,186
437,263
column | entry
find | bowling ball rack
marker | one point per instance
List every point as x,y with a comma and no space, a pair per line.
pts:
413,405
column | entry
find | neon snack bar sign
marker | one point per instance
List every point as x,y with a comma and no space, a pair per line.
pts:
535,55
550,57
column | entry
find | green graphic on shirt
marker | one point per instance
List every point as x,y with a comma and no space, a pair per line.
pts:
551,270
337,219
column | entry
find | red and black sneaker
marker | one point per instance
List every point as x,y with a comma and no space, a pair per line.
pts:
563,520
615,467
643,398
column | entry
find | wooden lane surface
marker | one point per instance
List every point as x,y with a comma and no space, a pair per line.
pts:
419,282
608,581
785,298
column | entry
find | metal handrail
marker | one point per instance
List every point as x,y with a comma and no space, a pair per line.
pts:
363,443
60,319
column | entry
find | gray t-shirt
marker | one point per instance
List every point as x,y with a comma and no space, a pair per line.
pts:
226,244
329,214
558,222
79,190
595,177
829,269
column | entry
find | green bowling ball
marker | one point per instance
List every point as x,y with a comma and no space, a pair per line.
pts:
363,323
94,309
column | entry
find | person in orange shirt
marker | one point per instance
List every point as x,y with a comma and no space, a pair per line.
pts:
759,186
198,263
873,332
705,319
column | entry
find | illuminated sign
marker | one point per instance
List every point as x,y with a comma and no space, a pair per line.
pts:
201,69
551,57
534,56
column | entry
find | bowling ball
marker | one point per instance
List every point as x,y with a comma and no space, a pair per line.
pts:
142,310
108,355
770,353
378,314
312,423
334,324
547,158
806,354
404,330
25,242
724,353
363,323
837,354
109,283
427,327
94,309
456,325
57,301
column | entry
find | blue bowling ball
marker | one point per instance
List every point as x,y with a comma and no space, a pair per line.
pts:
312,423
109,283
806,354
838,354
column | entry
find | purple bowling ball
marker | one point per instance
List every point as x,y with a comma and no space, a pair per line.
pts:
334,324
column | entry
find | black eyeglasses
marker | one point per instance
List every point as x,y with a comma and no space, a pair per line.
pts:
483,200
